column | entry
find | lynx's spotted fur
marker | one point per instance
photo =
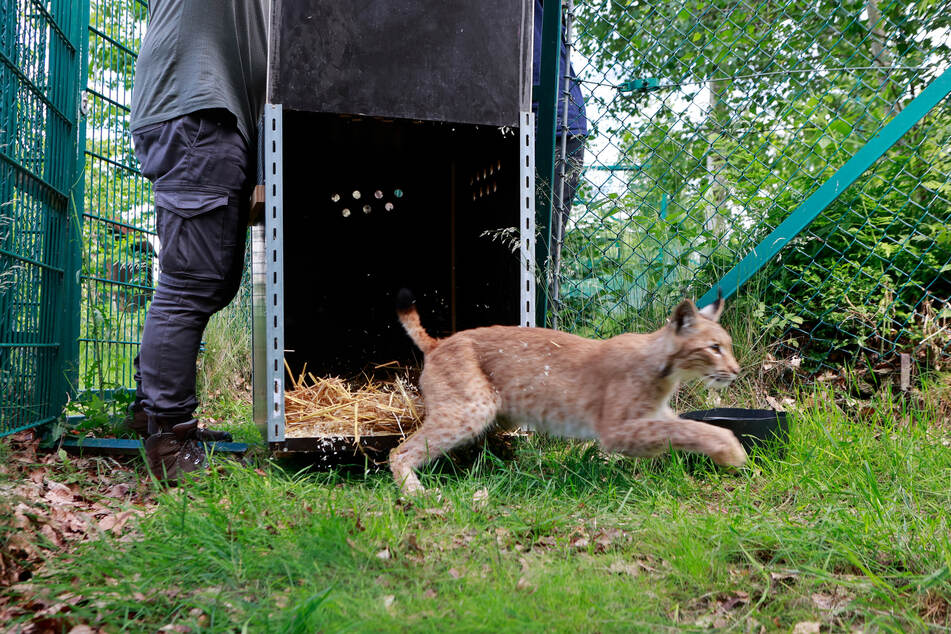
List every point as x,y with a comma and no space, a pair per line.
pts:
614,391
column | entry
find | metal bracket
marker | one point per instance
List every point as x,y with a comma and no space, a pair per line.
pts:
644,84
274,267
527,265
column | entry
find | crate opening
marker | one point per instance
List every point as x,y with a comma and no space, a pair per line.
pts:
371,206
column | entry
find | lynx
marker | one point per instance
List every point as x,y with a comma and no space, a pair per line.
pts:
615,391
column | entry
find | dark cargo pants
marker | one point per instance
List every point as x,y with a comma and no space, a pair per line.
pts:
201,169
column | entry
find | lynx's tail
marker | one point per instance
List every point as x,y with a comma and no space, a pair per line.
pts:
409,317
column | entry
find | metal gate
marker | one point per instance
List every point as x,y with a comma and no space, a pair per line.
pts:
119,247
42,54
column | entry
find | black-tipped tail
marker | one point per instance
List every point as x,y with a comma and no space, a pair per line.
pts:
406,310
404,299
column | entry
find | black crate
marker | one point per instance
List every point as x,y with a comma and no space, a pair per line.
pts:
397,152
432,60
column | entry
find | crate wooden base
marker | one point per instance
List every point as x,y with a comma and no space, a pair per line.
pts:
334,450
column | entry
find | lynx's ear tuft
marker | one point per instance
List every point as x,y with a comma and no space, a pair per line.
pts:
714,310
404,299
683,317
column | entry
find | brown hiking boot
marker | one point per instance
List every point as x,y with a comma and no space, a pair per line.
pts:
170,454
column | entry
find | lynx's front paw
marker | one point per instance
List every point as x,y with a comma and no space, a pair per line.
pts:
729,451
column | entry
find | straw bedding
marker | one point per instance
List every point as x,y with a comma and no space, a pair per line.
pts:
329,406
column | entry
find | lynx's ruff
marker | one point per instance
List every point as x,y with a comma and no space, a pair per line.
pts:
615,391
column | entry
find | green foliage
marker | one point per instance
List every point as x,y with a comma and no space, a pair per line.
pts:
102,414
756,106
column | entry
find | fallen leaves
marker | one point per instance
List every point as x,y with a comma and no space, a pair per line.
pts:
58,493
119,491
599,540
832,602
115,523
51,502
624,568
718,610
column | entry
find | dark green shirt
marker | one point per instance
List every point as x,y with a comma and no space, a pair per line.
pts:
200,54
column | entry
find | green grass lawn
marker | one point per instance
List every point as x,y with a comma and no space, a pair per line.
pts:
851,529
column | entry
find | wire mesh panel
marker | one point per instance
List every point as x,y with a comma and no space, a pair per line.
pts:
712,122
120,245
40,60
119,242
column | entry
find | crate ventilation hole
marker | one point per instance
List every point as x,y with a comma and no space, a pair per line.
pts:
368,208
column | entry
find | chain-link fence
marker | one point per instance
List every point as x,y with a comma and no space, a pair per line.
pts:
713,122
40,66
120,245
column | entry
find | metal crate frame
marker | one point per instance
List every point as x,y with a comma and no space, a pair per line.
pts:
267,240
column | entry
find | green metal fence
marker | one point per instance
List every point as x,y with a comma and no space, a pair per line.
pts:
41,61
723,127
120,246
119,241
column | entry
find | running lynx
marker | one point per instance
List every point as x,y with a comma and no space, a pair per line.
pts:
615,391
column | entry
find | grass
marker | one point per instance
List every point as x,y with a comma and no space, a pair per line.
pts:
849,529
224,365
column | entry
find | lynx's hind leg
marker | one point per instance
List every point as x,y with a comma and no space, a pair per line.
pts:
651,437
457,411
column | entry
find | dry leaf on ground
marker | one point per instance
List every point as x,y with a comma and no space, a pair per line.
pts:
480,498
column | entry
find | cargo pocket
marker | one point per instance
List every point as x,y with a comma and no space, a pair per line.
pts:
163,148
192,244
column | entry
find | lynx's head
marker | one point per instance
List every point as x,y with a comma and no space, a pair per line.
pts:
703,349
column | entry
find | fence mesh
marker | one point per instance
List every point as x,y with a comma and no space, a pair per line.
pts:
120,245
712,122
40,59
119,240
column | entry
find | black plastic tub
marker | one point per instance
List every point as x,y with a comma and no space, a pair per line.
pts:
755,428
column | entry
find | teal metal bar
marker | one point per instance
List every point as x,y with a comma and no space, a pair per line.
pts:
616,168
546,96
133,447
71,327
799,219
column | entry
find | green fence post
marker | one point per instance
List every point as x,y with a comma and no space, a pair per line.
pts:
8,133
74,254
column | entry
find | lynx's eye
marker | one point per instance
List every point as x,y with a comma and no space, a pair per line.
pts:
715,347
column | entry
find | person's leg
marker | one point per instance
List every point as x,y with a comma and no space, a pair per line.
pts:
198,279
199,165
180,309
